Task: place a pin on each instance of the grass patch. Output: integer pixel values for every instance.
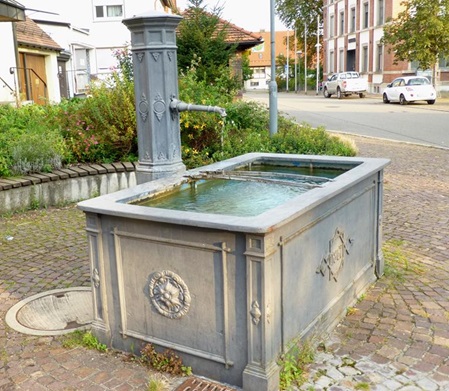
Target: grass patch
(397, 263)
(293, 364)
(83, 338)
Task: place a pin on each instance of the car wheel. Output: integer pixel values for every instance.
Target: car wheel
(326, 93)
(385, 98)
(361, 95)
(431, 102)
(339, 95)
(402, 100)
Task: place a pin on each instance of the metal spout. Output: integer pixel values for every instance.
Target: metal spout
(177, 106)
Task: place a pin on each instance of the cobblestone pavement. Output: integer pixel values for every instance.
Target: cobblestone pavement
(395, 338)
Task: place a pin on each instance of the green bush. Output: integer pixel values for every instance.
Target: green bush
(102, 127)
(27, 144)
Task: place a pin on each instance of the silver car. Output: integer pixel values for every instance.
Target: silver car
(410, 89)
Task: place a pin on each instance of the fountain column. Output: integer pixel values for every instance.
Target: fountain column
(153, 46)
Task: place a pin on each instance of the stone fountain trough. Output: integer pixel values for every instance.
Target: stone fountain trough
(229, 291)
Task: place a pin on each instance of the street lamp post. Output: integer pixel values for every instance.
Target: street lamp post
(318, 45)
(297, 55)
(305, 58)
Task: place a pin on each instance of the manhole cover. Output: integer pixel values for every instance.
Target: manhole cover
(196, 384)
(55, 312)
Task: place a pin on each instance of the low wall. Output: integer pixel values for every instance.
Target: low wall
(64, 186)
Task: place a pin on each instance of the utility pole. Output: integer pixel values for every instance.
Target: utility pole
(288, 63)
(296, 64)
(318, 55)
(273, 86)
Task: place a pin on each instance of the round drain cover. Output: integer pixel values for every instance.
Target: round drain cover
(55, 312)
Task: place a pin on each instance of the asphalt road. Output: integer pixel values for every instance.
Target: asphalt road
(415, 123)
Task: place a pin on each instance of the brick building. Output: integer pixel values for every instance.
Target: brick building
(353, 30)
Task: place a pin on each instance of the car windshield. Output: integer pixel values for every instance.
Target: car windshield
(418, 81)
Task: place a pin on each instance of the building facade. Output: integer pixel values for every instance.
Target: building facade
(260, 58)
(353, 30)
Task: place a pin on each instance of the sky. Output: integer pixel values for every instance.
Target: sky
(252, 15)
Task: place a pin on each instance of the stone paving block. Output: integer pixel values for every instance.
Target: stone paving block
(79, 170)
(109, 167)
(129, 166)
(61, 174)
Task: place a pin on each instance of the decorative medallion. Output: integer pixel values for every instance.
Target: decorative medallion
(96, 278)
(334, 260)
(169, 294)
(143, 107)
(140, 56)
(155, 56)
(159, 106)
(255, 312)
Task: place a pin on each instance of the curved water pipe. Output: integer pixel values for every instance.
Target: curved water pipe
(178, 106)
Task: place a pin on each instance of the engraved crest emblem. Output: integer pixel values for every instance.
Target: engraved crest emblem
(335, 259)
(169, 294)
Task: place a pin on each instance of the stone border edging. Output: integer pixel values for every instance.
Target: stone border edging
(65, 185)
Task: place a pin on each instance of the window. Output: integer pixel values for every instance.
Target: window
(259, 73)
(365, 59)
(331, 62)
(352, 28)
(380, 12)
(342, 23)
(443, 63)
(108, 11)
(341, 62)
(365, 15)
(380, 58)
(331, 26)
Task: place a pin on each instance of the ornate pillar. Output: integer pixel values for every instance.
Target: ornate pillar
(153, 40)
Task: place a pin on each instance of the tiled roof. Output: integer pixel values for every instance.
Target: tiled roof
(30, 34)
(239, 35)
(236, 35)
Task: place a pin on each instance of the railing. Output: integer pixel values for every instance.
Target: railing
(28, 84)
(7, 85)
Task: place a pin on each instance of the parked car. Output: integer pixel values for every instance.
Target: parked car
(410, 89)
(344, 84)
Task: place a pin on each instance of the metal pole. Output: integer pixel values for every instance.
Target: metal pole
(273, 86)
(296, 64)
(318, 56)
(288, 55)
(305, 58)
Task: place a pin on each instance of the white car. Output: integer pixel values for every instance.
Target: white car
(410, 89)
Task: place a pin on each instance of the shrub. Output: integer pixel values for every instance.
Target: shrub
(27, 144)
(101, 128)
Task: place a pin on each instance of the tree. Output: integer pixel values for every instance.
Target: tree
(201, 39)
(420, 32)
(294, 13)
(302, 15)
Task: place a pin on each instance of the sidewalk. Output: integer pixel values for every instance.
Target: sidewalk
(396, 338)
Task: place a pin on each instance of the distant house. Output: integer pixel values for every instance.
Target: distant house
(260, 58)
(10, 13)
(77, 61)
(37, 68)
(89, 48)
